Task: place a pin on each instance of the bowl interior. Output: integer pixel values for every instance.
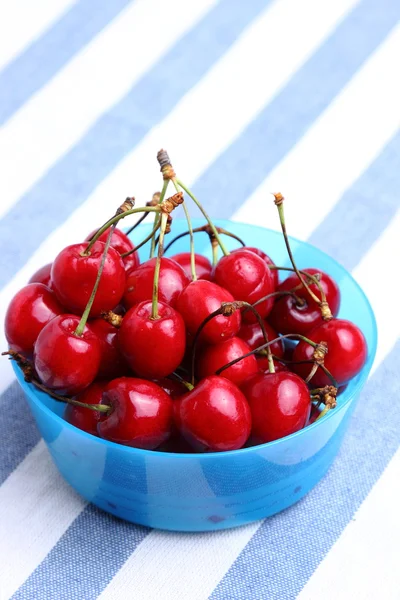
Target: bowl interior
(354, 304)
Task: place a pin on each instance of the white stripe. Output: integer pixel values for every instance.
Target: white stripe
(56, 117)
(226, 114)
(378, 261)
(38, 508)
(23, 21)
(344, 140)
(364, 562)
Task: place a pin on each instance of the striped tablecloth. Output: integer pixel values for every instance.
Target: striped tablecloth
(248, 97)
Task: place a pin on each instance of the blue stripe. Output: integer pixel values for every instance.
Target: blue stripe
(364, 211)
(118, 131)
(285, 551)
(265, 142)
(84, 560)
(32, 69)
(18, 432)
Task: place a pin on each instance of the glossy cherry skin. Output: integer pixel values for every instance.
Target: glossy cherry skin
(211, 358)
(266, 259)
(288, 317)
(139, 283)
(42, 275)
(214, 416)
(112, 363)
(28, 312)
(252, 334)
(198, 300)
(121, 242)
(141, 413)
(82, 417)
(73, 277)
(347, 352)
(65, 362)
(279, 403)
(203, 266)
(247, 277)
(152, 347)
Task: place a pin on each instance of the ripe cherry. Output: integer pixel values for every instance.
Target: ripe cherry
(263, 365)
(197, 301)
(64, 361)
(74, 273)
(140, 416)
(152, 347)
(252, 334)
(139, 283)
(266, 259)
(171, 386)
(212, 358)
(121, 243)
(347, 352)
(247, 277)
(28, 312)
(214, 416)
(82, 417)
(279, 403)
(112, 363)
(203, 266)
(288, 316)
(42, 275)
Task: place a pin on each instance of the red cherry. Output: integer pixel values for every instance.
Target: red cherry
(263, 365)
(211, 358)
(252, 334)
(42, 275)
(214, 416)
(141, 413)
(347, 352)
(73, 276)
(28, 312)
(152, 347)
(203, 265)
(64, 361)
(139, 283)
(82, 417)
(289, 317)
(112, 363)
(266, 259)
(197, 301)
(121, 242)
(279, 403)
(247, 277)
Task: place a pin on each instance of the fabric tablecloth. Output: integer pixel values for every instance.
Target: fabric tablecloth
(248, 97)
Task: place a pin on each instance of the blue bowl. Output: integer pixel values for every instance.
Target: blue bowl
(206, 492)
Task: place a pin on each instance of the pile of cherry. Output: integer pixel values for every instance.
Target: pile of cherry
(178, 354)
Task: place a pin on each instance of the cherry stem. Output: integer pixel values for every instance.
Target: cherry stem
(138, 222)
(312, 278)
(267, 345)
(176, 376)
(82, 323)
(300, 301)
(308, 362)
(323, 413)
(154, 302)
(325, 310)
(203, 229)
(157, 219)
(115, 220)
(211, 224)
(29, 373)
(189, 222)
(142, 243)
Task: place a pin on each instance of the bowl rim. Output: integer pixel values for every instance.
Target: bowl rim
(358, 385)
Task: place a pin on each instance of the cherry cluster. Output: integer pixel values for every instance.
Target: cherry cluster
(181, 354)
